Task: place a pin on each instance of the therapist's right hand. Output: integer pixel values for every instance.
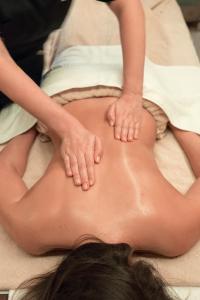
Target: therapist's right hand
(80, 150)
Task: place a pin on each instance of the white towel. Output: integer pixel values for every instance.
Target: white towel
(176, 89)
(14, 120)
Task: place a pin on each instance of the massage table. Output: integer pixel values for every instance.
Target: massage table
(168, 43)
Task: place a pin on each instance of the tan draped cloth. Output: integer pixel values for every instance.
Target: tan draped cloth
(168, 42)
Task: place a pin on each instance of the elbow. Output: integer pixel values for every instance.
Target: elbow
(176, 251)
(34, 246)
(31, 239)
(180, 246)
(33, 249)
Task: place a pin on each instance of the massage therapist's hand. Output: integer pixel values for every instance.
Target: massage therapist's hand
(125, 115)
(80, 150)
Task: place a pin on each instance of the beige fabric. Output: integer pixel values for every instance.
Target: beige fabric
(168, 39)
(77, 94)
(168, 42)
(159, 116)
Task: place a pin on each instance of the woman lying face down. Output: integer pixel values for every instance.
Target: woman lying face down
(99, 271)
(129, 202)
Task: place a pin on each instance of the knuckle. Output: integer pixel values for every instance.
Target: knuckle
(75, 174)
(84, 178)
(67, 166)
(66, 161)
(90, 163)
(76, 177)
(91, 170)
(83, 174)
(137, 122)
(72, 156)
(73, 165)
(117, 127)
(82, 168)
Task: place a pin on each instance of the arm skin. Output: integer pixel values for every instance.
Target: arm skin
(15, 84)
(126, 113)
(80, 149)
(132, 27)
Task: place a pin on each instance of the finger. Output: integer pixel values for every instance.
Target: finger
(117, 131)
(83, 172)
(137, 130)
(66, 161)
(75, 170)
(111, 115)
(67, 165)
(90, 168)
(98, 150)
(130, 133)
(124, 132)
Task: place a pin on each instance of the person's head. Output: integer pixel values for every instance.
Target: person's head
(99, 271)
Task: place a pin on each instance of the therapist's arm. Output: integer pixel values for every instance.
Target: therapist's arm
(80, 149)
(125, 114)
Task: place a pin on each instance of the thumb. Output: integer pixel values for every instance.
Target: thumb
(111, 115)
(98, 150)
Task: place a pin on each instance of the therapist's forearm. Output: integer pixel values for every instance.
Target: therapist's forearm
(16, 85)
(132, 28)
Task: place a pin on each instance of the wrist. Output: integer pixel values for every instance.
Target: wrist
(130, 96)
(63, 124)
(127, 90)
(132, 87)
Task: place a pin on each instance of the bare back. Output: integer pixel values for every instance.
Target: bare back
(127, 203)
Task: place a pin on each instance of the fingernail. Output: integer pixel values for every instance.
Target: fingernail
(78, 182)
(85, 186)
(111, 123)
(91, 182)
(98, 159)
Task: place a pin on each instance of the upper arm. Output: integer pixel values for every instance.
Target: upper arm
(3, 50)
(18, 223)
(12, 186)
(168, 234)
(177, 233)
(129, 6)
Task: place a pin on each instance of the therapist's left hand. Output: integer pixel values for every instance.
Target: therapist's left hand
(125, 115)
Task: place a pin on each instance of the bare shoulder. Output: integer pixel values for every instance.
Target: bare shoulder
(174, 231)
(169, 226)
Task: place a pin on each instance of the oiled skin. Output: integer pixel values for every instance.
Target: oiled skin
(130, 202)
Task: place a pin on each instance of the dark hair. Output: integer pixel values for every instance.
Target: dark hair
(99, 271)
